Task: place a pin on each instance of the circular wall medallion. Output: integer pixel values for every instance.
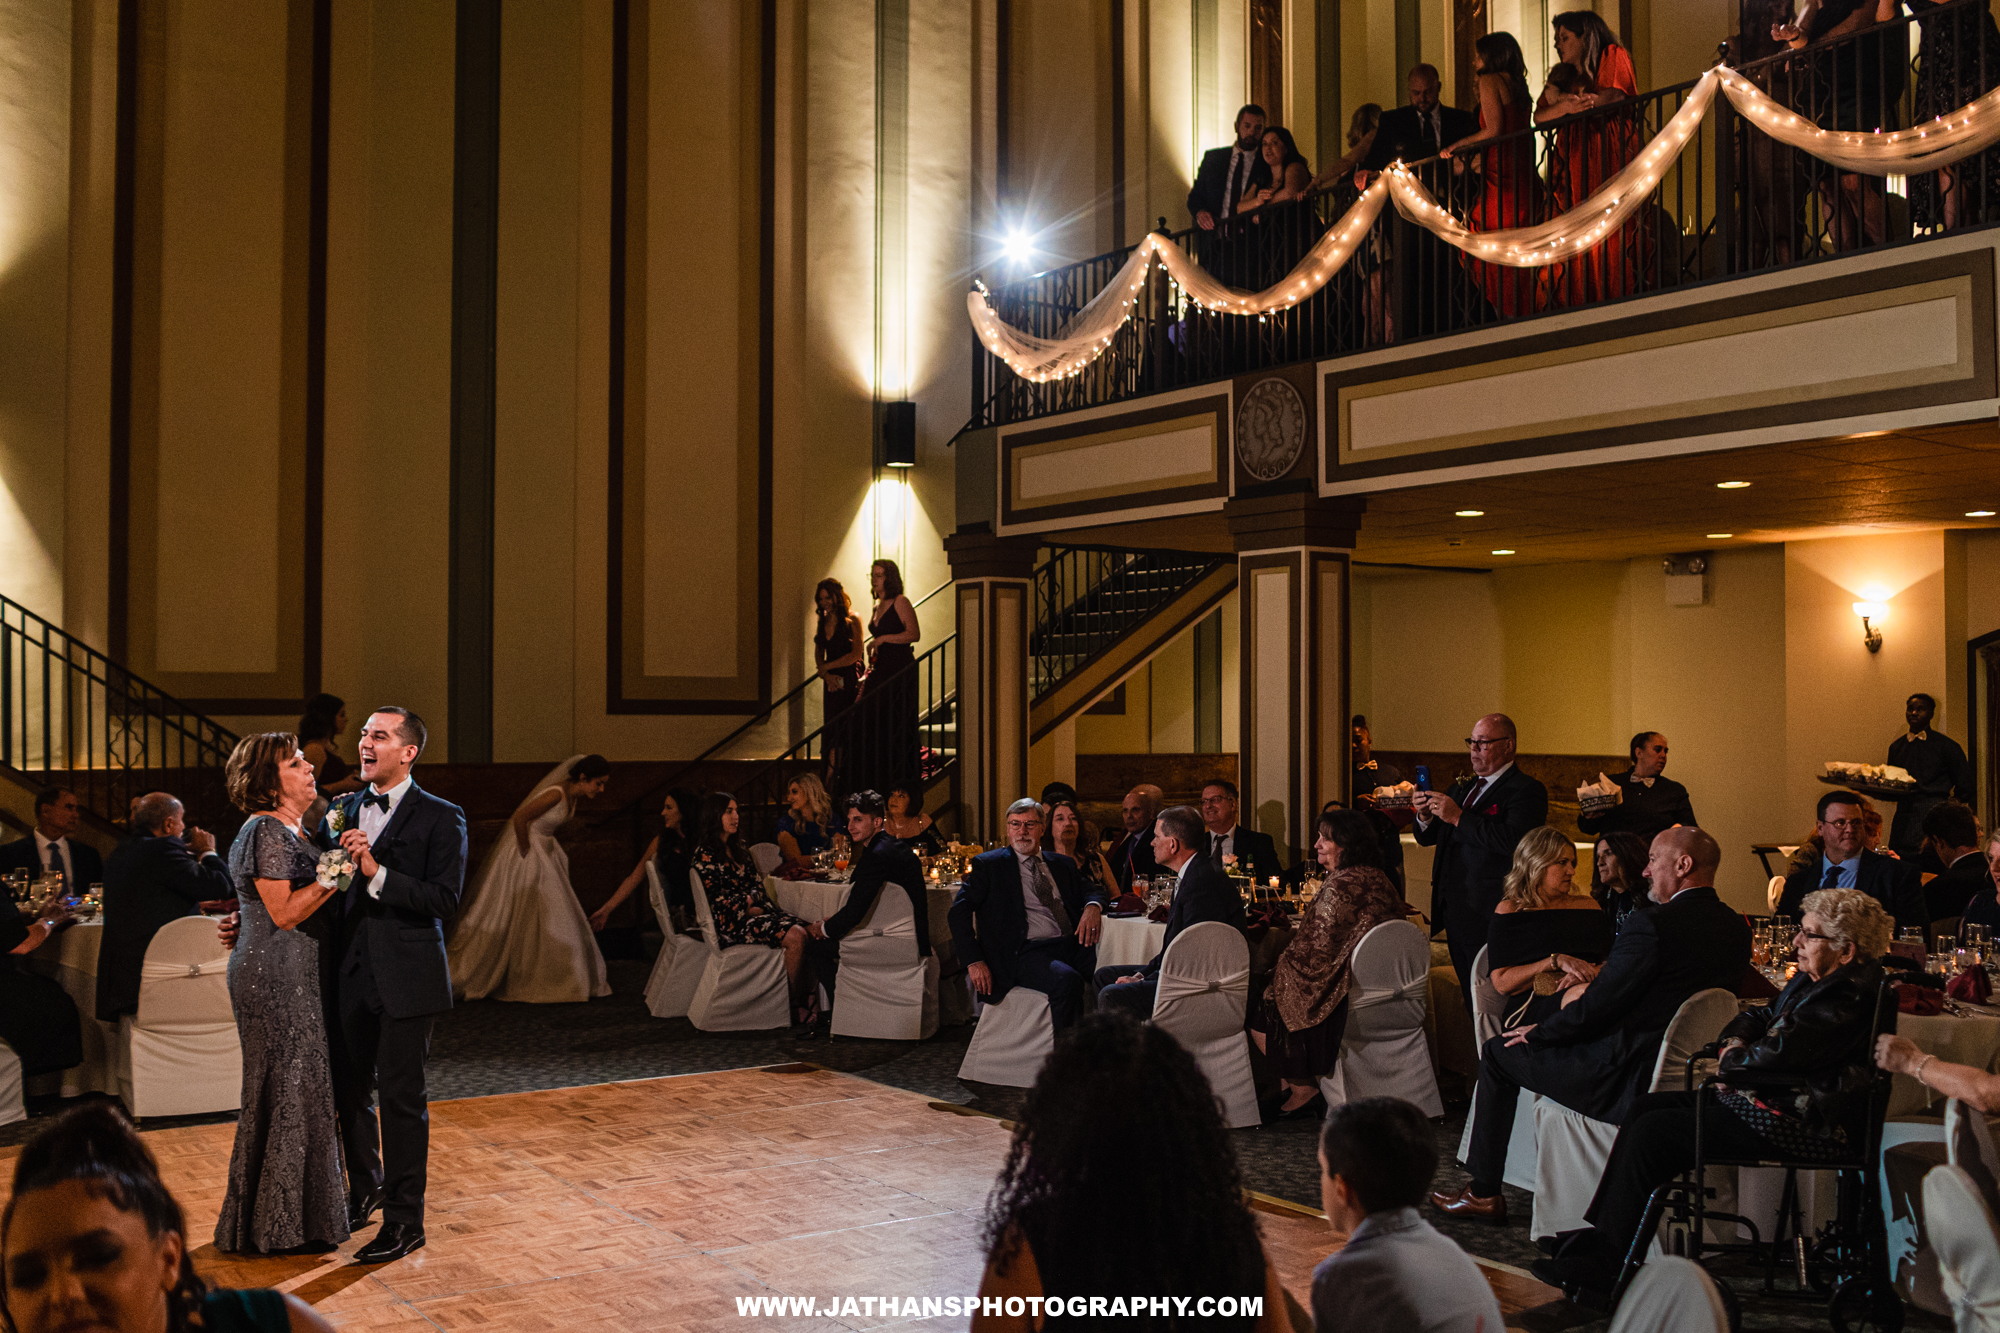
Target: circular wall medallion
(1270, 429)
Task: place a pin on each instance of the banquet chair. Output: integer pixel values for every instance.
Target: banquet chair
(12, 1107)
(1571, 1149)
(886, 988)
(1489, 1008)
(180, 1053)
(677, 969)
(1848, 1256)
(1383, 1052)
(1672, 1295)
(766, 857)
(1011, 1040)
(1203, 988)
(742, 987)
(1966, 1240)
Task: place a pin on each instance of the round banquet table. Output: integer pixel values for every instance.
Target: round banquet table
(812, 901)
(1129, 941)
(1969, 1039)
(70, 960)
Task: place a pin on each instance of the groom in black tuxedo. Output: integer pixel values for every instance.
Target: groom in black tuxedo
(386, 975)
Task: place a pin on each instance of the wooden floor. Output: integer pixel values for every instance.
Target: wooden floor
(651, 1205)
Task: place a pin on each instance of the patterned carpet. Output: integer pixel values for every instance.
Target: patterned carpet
(487, 1047)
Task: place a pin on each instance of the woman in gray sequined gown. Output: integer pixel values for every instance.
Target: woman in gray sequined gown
(285, 1186)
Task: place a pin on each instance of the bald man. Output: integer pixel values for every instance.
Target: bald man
(1133, 854)
(1595, 1055)
(1474, 827)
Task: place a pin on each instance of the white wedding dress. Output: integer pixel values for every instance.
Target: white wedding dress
(524, 936)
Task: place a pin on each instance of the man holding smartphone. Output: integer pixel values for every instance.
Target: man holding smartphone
(1475, 827)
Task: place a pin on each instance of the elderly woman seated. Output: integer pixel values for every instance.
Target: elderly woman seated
(1304, 1015)
(1797, 1078)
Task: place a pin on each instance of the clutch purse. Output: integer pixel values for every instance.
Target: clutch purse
(1550, 981)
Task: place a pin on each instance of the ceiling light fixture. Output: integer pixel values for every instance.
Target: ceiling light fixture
(1731, 485)
(1481, 513)
(1979, 513)
(1720, 536)
(1505, 550)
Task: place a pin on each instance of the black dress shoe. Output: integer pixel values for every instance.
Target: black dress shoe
(361, 1211)
(1586, 1279)
(393, 1241)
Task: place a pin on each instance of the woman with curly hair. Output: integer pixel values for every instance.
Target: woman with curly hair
(1080, 1155)
(805, 828)
(1304, 1015)
(91, 1236)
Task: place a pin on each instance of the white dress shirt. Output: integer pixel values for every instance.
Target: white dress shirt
(373, 820)
(61, 845)
(1042, 923)
(1227, 844)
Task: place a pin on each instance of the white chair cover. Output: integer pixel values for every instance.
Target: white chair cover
(12, 1106)
(180, 1053)
(1969, 1145)
(886, 988)
(1671, 1295)
(677, 970)
(1011, 1041)
(1204, 986)
(1384, 1053)
(1571, 1149)
(1967, 1244)
(1489, 1008)
(1774, 891)
(766, 857)
(742, 988)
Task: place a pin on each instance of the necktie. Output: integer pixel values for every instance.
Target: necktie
(1472, 795)
(1237, 170)
(1430, 132)
(55, 862)
(371, 797)
(1045, 890)
(1832, 880)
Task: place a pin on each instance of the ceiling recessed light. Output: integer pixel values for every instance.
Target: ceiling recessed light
(1468, 513)
(1505, 550)
(1731, 485)
(1720, 536)
(1979, 513)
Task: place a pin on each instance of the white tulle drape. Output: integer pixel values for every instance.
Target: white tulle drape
(1935, 144)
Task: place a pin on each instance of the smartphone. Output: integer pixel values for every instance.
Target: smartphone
(1423, 777)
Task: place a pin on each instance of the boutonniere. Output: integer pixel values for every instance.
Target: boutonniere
(336, 818)
(335, 870)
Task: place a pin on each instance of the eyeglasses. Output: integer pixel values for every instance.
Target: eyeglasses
(1803, 934)
(1845, 823)
(1477, 744)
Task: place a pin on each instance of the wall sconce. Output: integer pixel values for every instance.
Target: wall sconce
(898, 434)
(1872, 612)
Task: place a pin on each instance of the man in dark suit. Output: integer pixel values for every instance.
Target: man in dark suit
(1475, 828)
(1227, 174)
(1024, 918)
(1597, 1053)
(1844, 864)
(883, 860)
(164, 871)
(1203, 893)
(1951, 833)
(1936, 762)
(1426, 272)
(1255, 854)
(1648, 801)
(53, 846)
(389, 979)
(1132, 855)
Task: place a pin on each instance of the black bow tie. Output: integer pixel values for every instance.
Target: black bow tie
(369, 798)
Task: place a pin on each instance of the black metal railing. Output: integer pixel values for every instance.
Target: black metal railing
(1086, 600)
(70, 716)
(1733, 202)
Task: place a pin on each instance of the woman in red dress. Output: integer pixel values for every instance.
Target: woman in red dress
(1511, 193)
(1591, 152)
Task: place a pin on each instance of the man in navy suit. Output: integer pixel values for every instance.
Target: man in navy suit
(1255, 853)
(1203, 893)
(1475, 828)
(54, 846)
(387, 974)
(1845, 864)
(1025, 918)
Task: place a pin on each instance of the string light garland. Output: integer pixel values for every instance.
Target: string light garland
(1936, 143)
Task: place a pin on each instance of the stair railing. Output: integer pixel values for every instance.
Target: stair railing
(1087, 599)
(72, 717)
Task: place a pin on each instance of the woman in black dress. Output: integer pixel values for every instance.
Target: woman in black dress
(837, 655)
(886, 730)
(742, 911)
(1958, 61)
(285, 1187)
(1544, 937)
(320, 730)
(1618, 875)
(907, 823)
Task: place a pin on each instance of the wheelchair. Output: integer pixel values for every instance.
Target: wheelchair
(1846, 1263)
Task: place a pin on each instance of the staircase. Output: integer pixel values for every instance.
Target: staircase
(71, 717)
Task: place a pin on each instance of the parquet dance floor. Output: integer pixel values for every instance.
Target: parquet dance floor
(652, 1205)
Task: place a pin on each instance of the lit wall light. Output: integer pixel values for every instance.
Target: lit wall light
(1018, 247)
(1874, 612)
(1720, 536)
(1505, 550)
(1732, 485)
(1979, 513)
(1468, 513)
(899, 434)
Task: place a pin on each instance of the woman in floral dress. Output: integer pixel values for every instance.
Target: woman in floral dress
(743, 912)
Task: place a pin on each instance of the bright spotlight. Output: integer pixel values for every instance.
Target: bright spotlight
(1018, 248)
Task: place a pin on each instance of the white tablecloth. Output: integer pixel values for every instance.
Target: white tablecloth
(1130, 940)
(810, 901)
(1973, 1039)
(70, 959)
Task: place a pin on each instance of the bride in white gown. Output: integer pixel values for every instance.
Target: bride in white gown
(524, 935)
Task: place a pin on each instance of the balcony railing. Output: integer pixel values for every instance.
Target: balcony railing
(1734, 202)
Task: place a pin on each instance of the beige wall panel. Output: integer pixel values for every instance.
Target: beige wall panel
(1437, 658)
(34, 275)
(1982, 590)
(222, 334)
(86, 608)
(1328, 696)
(1275, 612)
(1060, 141)
(1171, 153)
(388, 367)
(536, 399)
(1129, 732)
(1232, 673)
(1173, 697)
(1010, 721)
(1560, 672)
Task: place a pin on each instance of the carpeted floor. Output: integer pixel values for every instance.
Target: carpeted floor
(488, 1047)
